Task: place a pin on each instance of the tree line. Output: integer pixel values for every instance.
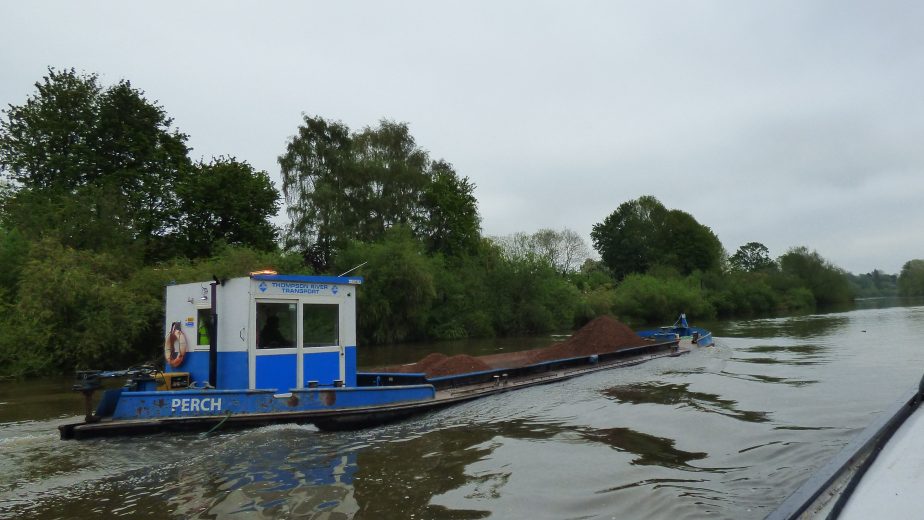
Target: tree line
(101, 206)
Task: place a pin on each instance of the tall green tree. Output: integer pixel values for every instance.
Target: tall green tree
(751, 257)
(642, 233)
(342, 186)
(911, 279)
(227, 202)
(93, 165)
(626, 239)
(451, 224)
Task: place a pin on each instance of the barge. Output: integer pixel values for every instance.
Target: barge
(274, 348)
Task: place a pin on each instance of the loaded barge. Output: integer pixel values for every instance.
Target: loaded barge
(274, 348)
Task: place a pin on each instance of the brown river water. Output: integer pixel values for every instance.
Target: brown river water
(724, 432)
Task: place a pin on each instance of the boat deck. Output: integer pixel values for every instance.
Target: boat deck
(891, 487)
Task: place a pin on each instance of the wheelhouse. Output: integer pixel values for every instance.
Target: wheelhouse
(267, 331)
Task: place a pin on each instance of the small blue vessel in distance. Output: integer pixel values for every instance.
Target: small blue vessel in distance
(682, 330)
(272, 348)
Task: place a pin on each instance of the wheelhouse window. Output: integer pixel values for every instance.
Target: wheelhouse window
(203, 327)
(320, 325)
(276, 325)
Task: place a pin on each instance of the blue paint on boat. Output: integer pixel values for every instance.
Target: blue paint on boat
(680, 330)
(204, 403)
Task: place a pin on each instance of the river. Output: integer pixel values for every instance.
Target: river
(724, 432)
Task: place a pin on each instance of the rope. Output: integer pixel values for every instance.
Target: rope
(217, 426)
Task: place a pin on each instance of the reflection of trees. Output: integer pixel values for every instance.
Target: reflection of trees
(802, 327)
(651, 450)
(677, 394)
(803, 354)
(770, 379)
(400, 478)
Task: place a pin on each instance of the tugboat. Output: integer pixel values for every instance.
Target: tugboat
(682, 330)
(272, 348)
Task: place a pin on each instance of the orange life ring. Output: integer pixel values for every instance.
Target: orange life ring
(175, 335)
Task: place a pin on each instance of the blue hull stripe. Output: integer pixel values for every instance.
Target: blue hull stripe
(203, 403)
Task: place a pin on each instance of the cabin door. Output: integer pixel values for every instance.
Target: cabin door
(274, 354)
(296, 341)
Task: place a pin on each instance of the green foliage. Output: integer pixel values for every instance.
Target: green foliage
(642, 233)
(14, 250)
(95, 310)
(92, 166)
(828, 284)
(648, 299)
(751, 257)
(911, 279)
(343, 186)
(530, 297)
(451, 225)
(395, 301)
(77, 309)
(746, 294)
(873, 284)
(97, 196)
(226, 201)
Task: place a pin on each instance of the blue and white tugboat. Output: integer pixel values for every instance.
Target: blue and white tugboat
(274, 348)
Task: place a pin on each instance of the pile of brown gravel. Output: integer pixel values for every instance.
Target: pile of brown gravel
(603, 334)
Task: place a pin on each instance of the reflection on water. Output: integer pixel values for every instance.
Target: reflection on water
(679, 394)
(800, 327)
(651, 450)
(795, 355)
(771, 379)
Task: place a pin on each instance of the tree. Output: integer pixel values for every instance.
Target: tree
(315, 177)
(828, 283)
(227, 201)
(911, 279)
(343, 186)
(642, 233)
(400, 290)
(564, 251)
(626, 238)
(93, 165)
(751, 257)
(451, 225)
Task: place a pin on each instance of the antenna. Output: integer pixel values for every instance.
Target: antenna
(353, 269)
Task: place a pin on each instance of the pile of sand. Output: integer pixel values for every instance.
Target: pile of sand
(603, 334)
(438, 364)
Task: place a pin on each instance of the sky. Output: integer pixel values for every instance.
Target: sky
(789, 123)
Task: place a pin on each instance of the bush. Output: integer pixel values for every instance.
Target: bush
(654, 300)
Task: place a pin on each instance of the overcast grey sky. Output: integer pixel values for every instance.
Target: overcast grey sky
(787, 123)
